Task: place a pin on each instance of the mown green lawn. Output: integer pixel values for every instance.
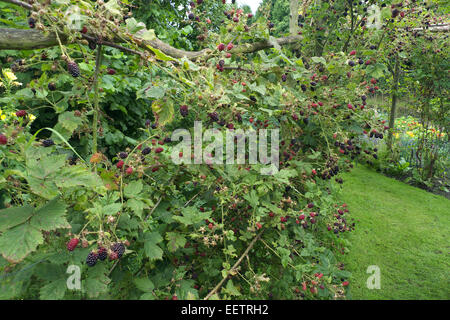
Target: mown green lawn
(404, 231)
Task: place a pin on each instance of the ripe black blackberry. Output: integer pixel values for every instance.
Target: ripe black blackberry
(73, 69)
(91, 259)
(146, 150)
(118, 248)
(351, 63)
(184, 110)
(51, 86)
(102, 253)
(214, 116)
(31, 23)
(92, 45)
(123, 155)
(48, 143)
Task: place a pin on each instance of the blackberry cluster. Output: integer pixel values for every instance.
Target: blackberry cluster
(118, 248)
(331, 169)
(91, 259)
(213, 116)
(73, 69)
(184, 110)
(21, 113)
(48, 143)
(375, 134)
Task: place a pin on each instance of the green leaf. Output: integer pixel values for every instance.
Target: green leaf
(133, 189)
(176, 241)
(69, 121)
(111, 209)
(50, 216)
(13, 216)
(191, 215)
(18, 242)
(151, 249)
(231, 289)
(144, 284)
(163, 110)
(160, 55)
(54, 290)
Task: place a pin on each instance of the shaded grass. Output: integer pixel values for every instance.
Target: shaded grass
(404, 231)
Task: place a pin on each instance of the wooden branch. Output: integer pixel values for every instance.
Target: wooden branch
(250, 246)
(30, 39)
(20, 3)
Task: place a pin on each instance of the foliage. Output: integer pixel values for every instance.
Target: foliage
(184, 226)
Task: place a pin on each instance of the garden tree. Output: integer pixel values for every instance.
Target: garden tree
(139, 223)
(413, 33)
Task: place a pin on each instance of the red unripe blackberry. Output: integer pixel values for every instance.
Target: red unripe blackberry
(72, 244)
(119, 164)
(184, 110)
(113, 256)
(310, 205)
(250, 15)
(111, 71)
(221, 47)
(102, 254)
(73, 69)
(353, 52)
(3, 139)
(129, 170)
(118, 248)
(84, 30)
(230, 46)
(91, 259)
(159, 150)
(156, 168)
(21, 113)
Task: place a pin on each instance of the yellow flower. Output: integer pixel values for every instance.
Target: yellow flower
(396, 135)
(31, 117)
(410, 133)
(1, 84)
(9, 74)
(17, 83)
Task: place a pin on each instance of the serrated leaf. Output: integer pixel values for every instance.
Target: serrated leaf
(69, 121)
(144, 284)
(54, 290)
(133, 189)
(13, 216)
(50, 216)
(18, 242)
(175, 241)
(163, 110)
(151, 249)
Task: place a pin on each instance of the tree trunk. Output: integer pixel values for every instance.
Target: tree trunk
(293, 17)
(395, 77)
